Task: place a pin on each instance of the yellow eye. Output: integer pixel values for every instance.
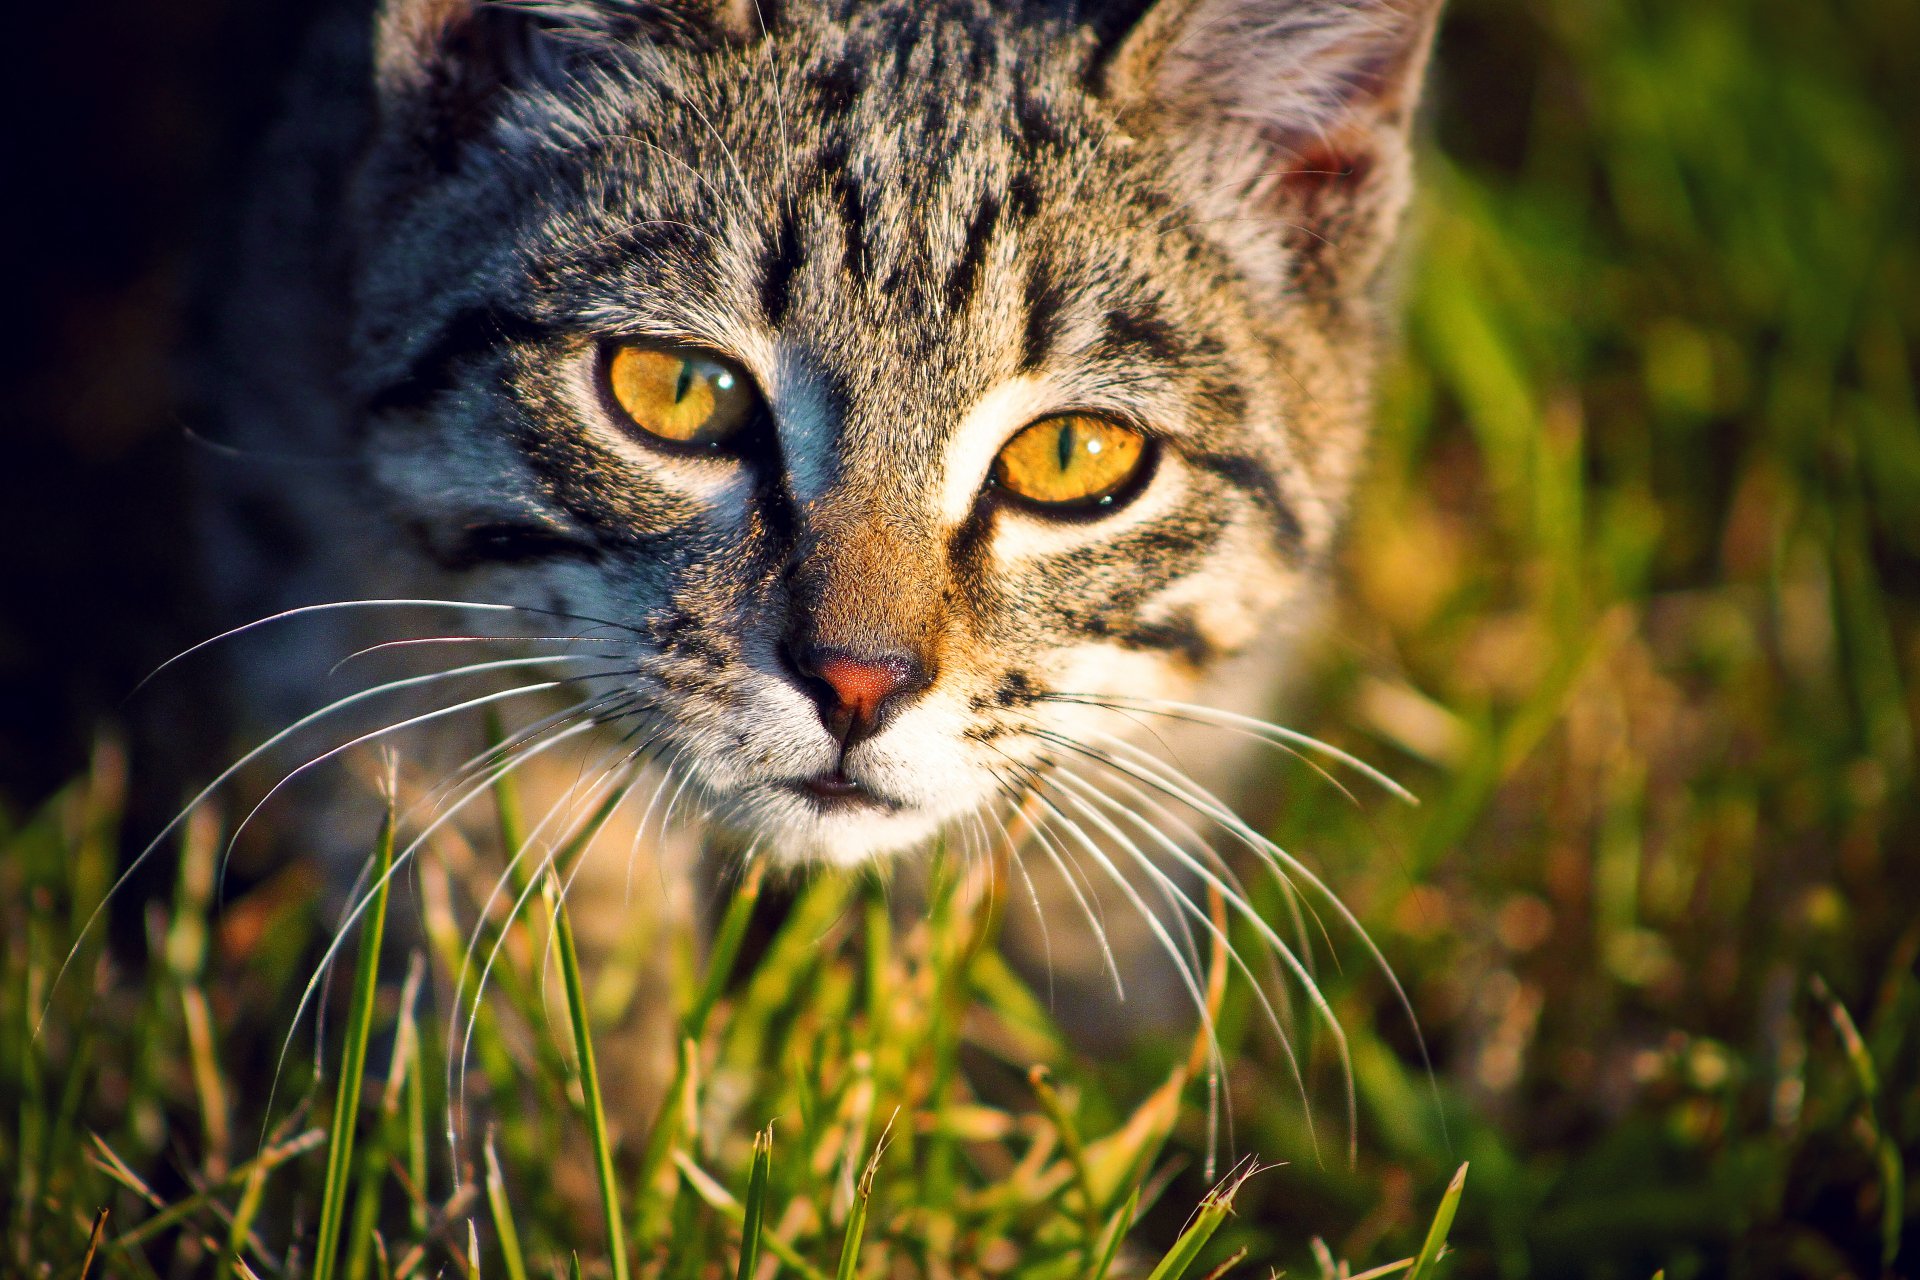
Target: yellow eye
(681, 395)
(1073, 460)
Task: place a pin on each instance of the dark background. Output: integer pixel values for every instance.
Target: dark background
(130, 128)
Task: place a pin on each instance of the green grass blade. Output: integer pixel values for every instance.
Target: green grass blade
(1116, 1234)
(1213, 1211)
(755, 1205)
(708, 1188)
(1187, 1248)
(1429, 1256)
(850, 1242)
(589, 1082)
(726, 948)
(503, 1226)
(353, 1059)
(857, 1212)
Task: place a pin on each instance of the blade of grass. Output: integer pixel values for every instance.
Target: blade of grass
(353, 1063)
(857, 1212)
(1429, 1255)
(93, 1242)
(503, 1226)
(1050, 1102)
(719, 1198)
(755, 1208)
(1116, 1233)
(677, 1100)
(1234, 1259)
(589, 1080)
(1206, 1220)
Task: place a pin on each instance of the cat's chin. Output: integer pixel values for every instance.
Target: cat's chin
(797, 826)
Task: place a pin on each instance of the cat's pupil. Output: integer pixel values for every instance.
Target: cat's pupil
(1066, 445)
(684, 381)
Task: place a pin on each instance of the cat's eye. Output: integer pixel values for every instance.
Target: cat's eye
(681, 395)
(1073, 462)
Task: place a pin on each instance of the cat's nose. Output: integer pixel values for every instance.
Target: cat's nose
(857, 693)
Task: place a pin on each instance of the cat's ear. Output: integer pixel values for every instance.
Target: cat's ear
(1287, 122)
(441, 61)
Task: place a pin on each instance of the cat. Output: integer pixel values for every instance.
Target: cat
(881, 412)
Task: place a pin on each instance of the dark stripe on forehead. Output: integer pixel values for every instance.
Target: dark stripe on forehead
(966, 272)
(836, 85)
(1038, 129)
(777, 268)
(1045, 299)
(849, 201)
(1138, 332)
(430, 374)
(650, 242)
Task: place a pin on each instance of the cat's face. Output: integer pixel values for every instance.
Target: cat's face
(729, 335)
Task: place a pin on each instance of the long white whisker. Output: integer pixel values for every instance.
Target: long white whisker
(518, 691)
(1094, 921)
(1235, 899)
(1215, 1062)
(1203, 801)
(1193, 968)
(569, 801)
(1150, 771)
(419, 642)
(336, 605)
(1247, 725)
(366, 899)
(1033, 890)
(1289, 892)
(140, 859)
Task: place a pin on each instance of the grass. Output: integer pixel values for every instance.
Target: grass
(1632, 601)
(870, 1154)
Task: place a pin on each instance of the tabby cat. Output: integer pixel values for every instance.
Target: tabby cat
(876, 411)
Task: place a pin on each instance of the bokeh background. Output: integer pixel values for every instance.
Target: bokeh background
(1632, 601)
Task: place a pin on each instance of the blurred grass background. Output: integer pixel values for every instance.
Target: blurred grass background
(1632, 602)
(1635, 597)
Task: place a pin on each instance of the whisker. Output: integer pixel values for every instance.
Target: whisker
(411, 722)
(1290, 893)
(570, 800)
(1238, 902)
(1152, 773)
(139, 860)
(1215, 1060)
(1095, 922)
(398, 603)
(1033, 890)
(1193, 968)
(1263, 730)
(423, 641)
(400, 859)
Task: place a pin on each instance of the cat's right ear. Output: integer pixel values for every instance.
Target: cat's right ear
(438, 64)
(1286, 122)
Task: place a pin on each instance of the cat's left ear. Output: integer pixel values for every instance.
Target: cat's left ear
(1287, 123)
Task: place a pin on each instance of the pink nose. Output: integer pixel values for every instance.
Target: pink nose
(862, 688)
(856, 692)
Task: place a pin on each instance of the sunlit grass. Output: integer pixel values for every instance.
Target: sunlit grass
(853, 1143)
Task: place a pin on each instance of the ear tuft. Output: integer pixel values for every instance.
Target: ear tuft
(1286, 121)
(439, 64)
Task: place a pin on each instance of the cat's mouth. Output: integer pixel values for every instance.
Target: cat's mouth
(833, 791)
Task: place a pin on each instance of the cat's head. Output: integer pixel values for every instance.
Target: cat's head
(903, 374)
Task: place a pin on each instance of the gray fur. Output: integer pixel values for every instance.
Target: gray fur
(889, 213)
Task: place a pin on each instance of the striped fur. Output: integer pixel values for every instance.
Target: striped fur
(920, 225)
